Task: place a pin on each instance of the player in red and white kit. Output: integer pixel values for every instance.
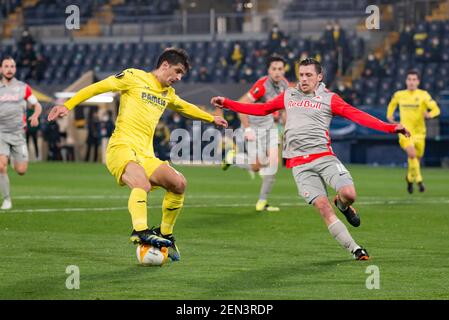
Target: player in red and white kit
(309, 110)
(14, 95)
(261, 132)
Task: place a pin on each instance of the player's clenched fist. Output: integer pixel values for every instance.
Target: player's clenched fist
(217, 102)
(57, 112)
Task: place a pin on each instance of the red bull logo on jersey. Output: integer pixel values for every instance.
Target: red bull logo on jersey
(9, 97)
(306, 103)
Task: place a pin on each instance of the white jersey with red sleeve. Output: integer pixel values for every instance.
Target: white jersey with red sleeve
(265, 89)
(308, 121)
(306, 134)
(13, 102)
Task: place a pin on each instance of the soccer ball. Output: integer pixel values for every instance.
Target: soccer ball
(151, 256)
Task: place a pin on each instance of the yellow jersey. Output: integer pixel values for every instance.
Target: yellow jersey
(142, 102)
(413, 106)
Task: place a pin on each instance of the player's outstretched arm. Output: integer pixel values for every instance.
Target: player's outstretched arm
(256, 109)
(345, 110)
(121, 82)
(192, 111)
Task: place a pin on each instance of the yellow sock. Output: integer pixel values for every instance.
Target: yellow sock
(412, 167)
(171, 208)
(137, 206)
(418, 171)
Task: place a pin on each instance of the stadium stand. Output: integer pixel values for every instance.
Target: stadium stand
(328, 8)
(424, 48)
(216, 61)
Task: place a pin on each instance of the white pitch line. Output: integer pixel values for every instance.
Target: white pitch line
(219, 205)
(216, 196)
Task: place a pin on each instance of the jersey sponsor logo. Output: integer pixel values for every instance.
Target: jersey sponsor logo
(158, 102)
(9, 97)
(306, 103)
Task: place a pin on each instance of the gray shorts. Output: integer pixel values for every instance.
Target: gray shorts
(13, 145)
(311, 178)
(266, 139)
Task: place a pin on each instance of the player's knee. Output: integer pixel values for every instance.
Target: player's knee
(411, 153)
(21, 170)
(348, 195)
(180, 185)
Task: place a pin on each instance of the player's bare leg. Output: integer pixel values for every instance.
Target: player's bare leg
(174, 182)
(4, 183)
(21, 167)
(268, 174)
(337, 229)
(413, 167)
(136, 179)
(343, 201)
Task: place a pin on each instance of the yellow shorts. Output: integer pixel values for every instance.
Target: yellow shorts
(418, 143)
(118, 156)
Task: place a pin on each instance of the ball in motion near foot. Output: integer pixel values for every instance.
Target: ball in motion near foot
(151, 256)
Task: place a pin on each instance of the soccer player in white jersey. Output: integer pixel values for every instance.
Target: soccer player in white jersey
(14, 96)
(263, 152)
(309, 109)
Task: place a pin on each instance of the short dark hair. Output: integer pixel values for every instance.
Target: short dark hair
(6, 58)
(312, 61)
(174, 56)
(275, 58)
(413, 72)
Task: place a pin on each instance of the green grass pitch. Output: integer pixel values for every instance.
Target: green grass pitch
(75, 214)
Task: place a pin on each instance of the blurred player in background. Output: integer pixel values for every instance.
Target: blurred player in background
(309, 110)
(14, 96)
(130, 157)
(415, 106)
(264, 157)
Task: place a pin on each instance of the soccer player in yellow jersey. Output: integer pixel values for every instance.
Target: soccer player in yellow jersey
(130, 157)
(415, 105)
